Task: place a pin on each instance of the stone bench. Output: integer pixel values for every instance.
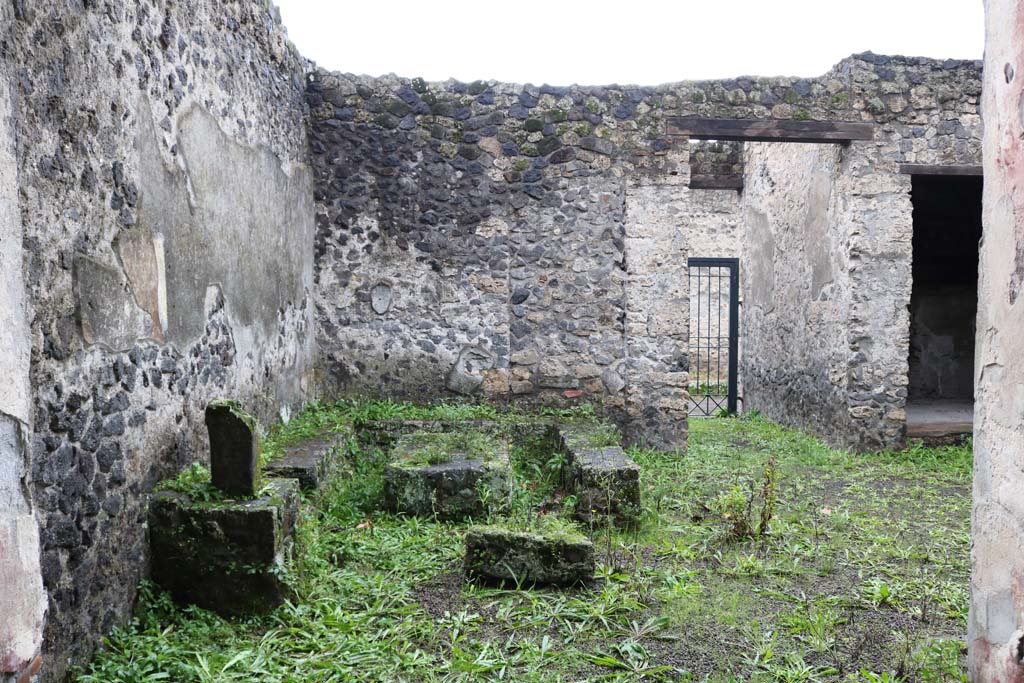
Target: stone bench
(605, 481)
(526, 558)
(311, 461)
(445, 474)
(224, 556)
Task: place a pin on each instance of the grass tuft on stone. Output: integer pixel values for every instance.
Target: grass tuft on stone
(434, 448)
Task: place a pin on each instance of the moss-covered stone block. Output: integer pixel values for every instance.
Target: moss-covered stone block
(605, 481)
(225, 556)
(450, 475)
(527, 558)
(384, 433)
(311, 462)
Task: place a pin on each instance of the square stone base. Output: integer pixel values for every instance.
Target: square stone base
(464, 484)
(605, 481)
(223, 556)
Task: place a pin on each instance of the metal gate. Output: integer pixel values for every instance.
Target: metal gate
(714, 335)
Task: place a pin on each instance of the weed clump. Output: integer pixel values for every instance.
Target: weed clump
(748, 508)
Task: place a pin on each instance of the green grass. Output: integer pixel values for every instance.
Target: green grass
(862, 575)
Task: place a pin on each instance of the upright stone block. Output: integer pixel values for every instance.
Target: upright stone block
(234, 450)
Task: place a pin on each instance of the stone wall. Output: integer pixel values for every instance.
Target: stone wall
(167, 227)
(507, 241)
(480, 238)
(477, 237)
(828, 253)
(996, 622)
(22, 598)
(796, 285)
(716, 158)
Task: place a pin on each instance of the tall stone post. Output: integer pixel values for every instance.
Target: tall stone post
(996, 624)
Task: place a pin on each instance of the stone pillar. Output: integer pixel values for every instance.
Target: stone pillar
(657, 309)
(996, 624)
(234, 450)
(22, 599)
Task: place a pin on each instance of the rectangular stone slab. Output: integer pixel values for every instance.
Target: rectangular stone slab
(310, 461)
(223, 556)
(234, 451)
(501, 555)
(449, 490)
(385, 433)
(605, 481)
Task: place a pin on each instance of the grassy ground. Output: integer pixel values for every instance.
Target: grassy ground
(861, 575)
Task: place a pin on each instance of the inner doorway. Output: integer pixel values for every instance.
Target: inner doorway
(714, 336)
(943, 304)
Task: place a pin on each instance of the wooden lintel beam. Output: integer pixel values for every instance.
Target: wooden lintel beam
(770, 130)
(713, 182)
(940, 169)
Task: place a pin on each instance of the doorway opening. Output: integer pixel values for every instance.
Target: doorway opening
(943, 305)
(714, 336)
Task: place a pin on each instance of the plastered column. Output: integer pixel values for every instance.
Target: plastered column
(22, 599)
(996, 624)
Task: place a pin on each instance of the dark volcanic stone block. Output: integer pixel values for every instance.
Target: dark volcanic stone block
(497, 554)
(311, 461)
(234, 450)
(223, 556)
(604, 479)
(446, 474)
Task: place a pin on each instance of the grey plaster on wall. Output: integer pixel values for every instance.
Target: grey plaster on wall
(107, 310)
(818, 244)
(759, 267)
(235, 218)
(470, 370)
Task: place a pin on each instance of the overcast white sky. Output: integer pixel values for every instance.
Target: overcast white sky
(636, 41)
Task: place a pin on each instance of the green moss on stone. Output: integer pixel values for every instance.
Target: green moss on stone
(550, 527)
(399, 108)
(556, 115)
(238, 411)
(423, 449)
(533, 125)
